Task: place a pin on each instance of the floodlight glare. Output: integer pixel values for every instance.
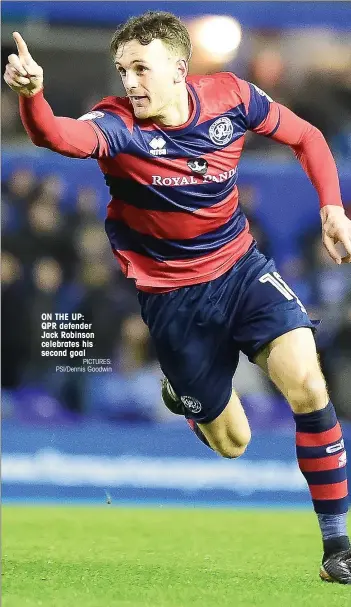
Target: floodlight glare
(219, 35)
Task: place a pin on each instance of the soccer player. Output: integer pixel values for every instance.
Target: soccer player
(169, 152)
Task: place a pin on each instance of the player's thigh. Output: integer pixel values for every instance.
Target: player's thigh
(267, 308)
(194, 350)
(230, 431)
(291, 362)
(273, 329)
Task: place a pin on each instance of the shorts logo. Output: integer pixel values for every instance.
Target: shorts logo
(191, 403)
(198, 165)
(221, 131)
(92, 115)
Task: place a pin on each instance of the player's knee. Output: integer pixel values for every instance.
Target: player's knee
(309, 392)
(230, 451)
(231, 448)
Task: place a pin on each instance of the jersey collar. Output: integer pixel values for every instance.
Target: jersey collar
(191, 122)
(182, 128)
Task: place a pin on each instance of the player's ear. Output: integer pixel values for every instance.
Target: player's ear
(181, 71)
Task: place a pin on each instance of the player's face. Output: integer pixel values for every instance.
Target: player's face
(149, 74)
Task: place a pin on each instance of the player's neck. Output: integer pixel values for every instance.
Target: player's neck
(178, 112)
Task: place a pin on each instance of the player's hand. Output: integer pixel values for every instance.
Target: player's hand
(23, 74)
(336, 227)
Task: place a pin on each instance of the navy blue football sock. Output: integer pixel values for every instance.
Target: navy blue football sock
(322, 460)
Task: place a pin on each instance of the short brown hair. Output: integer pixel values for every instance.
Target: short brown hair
(154, 25)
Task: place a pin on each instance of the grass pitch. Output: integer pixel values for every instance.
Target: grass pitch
(161, 557)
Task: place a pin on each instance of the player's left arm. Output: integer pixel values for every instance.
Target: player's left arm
(312, 151)
(266, 117)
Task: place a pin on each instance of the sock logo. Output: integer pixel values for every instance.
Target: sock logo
(336, 447)
(342, 460)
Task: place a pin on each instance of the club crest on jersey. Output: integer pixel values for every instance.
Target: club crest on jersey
(198, 165)
(191, 403)
(221, 131)
(157, 145)
(92, 115)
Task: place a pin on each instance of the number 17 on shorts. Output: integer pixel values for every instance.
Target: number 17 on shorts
(278, 283)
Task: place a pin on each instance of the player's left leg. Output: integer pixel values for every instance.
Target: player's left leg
(228, 434)
(291, 362)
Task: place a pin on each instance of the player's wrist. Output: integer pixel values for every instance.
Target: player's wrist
(29, 94)
(331, 210)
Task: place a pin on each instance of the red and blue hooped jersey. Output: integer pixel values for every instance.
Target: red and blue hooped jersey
(174, 218)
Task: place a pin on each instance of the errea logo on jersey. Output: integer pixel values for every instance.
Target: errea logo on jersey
(157, 145)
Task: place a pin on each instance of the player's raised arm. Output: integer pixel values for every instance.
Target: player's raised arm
(69, 137)
(271, 119)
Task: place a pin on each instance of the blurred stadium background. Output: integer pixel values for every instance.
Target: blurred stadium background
(73, 436)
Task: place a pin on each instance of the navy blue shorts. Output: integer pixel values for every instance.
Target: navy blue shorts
(199, 331)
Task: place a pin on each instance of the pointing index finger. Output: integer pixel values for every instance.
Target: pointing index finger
(22, 48)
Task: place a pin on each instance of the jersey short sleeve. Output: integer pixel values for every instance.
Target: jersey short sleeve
(112, 127)
(259, 106)
(262, 113)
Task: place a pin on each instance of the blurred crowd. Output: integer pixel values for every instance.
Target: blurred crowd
(56, 258)
(309, 71)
